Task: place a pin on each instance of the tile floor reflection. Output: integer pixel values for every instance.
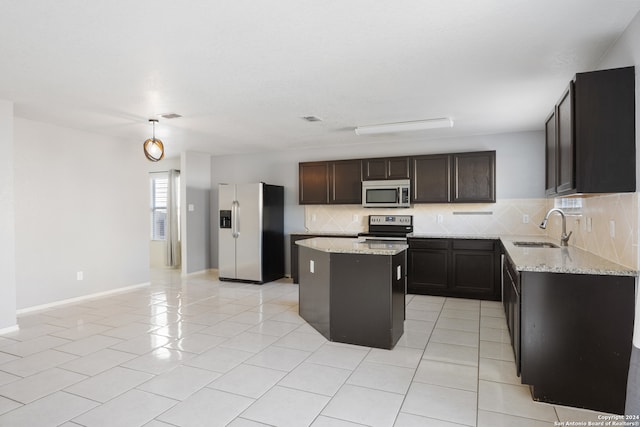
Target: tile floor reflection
(193, 351)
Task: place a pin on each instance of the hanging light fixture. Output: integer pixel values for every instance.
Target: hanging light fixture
(153, 148)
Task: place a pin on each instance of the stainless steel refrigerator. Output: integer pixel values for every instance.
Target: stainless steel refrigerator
(251, 232)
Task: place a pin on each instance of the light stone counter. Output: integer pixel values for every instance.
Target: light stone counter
(352, 246)
(559, 260)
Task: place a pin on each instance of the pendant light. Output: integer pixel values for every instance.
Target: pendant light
(153, 148)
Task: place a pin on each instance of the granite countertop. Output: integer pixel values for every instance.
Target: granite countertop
(453, 236)
(345, 245)
(327, 233)
(559, 260)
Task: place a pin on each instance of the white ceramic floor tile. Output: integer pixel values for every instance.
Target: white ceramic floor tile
(493, 322)
(513, 400)
(494, 350)
(122, 319)
(273, 327)
(142, 344)
(249, 341)
(284, 407)
(447, 375)
(134, 408)
(451, 353)
(398, 356)
(338, 356)
(81, 331)
(6, 357)
(394, 379)
(226, 329)
(35, 345)
(414, 339)
(219, 359)
(458, 324)
(209, 319)
(462, 304)
(39, 385)
(130, 330)
(289, 316)
(422, 326)
(495, 419)
(324, 421)
(430, 316)
(301, 341)
(495, 335)
(442, 403)
(88, 345)
(243, 422)
(28, 333)
(179, 383)
(37, 362)
(410, 420)
(318, 379)
(283, 359)
(109, 384)
(248, 380)
(98, 362)
(52, 410)
(364, 406)
(450, 336)
(250, 317)
(207, 407)
(460, 314)
(492, 312)
(498, 371)
(179, 329)
(196, 343)
(6, 378)
(158, 361)
(7, 405)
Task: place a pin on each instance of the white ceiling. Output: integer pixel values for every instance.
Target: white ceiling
(243, 73)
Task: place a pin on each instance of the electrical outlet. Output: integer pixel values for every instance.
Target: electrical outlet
(79, 275)
(525, 219)
(589, 224)
(439, 219)
(313, 217)
(356, 218)
(312, 266)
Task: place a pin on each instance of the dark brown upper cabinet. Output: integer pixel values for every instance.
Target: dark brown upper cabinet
(474, 177)
(330, 182)
(385, 168)
(431, 179)
(594, 130)
(551, 155)
(313, 185)
(345, 182)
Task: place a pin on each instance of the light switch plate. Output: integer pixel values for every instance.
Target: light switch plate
(191, 207)
(399, 272)
(312, 266)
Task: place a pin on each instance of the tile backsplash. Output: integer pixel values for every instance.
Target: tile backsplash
(506, 217)
(607, 225)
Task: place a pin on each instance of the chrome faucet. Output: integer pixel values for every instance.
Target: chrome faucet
(564, 238)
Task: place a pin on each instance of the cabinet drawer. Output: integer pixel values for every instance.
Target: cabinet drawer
(475, 245)
(429, 243)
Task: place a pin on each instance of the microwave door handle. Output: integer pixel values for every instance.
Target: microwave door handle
(399, 193)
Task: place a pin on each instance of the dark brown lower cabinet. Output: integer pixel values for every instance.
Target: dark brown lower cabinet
(576, 337)
(463, 268)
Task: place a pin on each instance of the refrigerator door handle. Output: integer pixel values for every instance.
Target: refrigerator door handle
(235, 223)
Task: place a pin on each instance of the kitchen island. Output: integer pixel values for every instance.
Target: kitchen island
(352, 291)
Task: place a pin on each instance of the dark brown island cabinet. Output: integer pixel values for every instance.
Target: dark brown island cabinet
(293, 238)
(590, 135)
(353, 298)
(463, 268)
(438, 178)
(571, 335)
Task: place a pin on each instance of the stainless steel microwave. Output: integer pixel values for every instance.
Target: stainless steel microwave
(386, 194)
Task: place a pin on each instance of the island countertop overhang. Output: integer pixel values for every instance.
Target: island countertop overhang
(352, 246)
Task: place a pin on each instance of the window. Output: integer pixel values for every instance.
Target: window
(159, 183)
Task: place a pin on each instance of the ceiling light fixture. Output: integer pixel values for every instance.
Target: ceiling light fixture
(444, 122)
(153, 148)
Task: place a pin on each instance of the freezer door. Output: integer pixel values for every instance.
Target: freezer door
(226, 241)
(249, 230)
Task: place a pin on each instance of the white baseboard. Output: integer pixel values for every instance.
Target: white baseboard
(10, 329)
(78, 299)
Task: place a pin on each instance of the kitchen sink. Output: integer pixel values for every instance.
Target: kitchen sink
(546, 245)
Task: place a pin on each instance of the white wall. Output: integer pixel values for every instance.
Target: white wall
(519, 174)
(195, 191)
(7, 231)
(82, 204)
